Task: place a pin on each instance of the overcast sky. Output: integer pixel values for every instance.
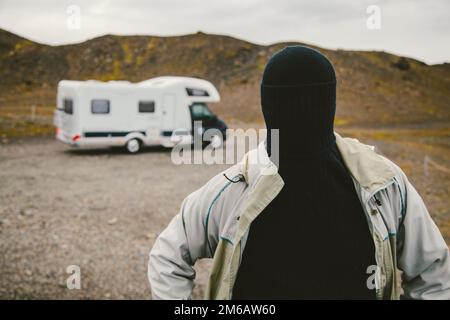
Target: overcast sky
(414, 28)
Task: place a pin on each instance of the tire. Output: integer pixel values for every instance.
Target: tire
(133, 146)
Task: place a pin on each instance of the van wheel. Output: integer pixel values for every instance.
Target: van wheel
(133, 146)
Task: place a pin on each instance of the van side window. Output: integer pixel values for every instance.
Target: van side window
(68, 105)
(100, 106)
(147, 106)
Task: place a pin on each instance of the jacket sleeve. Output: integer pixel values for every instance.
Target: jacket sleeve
(170, 270)
(423, 255)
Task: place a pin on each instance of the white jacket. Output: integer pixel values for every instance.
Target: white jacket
(215, 220)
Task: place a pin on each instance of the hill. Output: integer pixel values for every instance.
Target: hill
(374, 88)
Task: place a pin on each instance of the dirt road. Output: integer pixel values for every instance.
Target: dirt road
(101, 210)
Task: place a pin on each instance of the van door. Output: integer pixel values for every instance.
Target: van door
(168, 113)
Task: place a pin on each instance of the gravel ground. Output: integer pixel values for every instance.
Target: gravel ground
(102, 209)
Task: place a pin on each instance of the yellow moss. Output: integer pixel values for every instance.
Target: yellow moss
(380, 135)
(151, 44)
(231, 53)
(116, 69)
(22, 45)
(127, 52)
(340, 122)
(261, 63)
(115, 74)
(140, 60)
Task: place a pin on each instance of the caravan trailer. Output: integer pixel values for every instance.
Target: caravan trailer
(158, 111)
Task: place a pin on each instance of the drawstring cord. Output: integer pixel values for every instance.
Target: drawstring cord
(377, 201)
(240, 178)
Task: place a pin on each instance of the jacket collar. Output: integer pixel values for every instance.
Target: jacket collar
(369, 169)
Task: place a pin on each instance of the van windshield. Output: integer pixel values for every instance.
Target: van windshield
(200, 111)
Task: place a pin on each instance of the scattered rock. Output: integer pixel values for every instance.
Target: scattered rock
(150, 236)
(83, 215)
(28, 272)
(28, 212)
(402, 64)
(262, 53)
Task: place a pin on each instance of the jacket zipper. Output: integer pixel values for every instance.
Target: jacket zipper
(382, 285)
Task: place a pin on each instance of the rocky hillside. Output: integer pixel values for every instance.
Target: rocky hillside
(374, 88)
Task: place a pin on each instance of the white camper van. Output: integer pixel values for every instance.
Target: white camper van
(159, 111)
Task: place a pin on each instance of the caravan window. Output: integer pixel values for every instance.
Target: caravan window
(68, 106)
(147, 106)
(100, 106)
(197, 92)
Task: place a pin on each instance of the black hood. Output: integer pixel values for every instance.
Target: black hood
(298, 97)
